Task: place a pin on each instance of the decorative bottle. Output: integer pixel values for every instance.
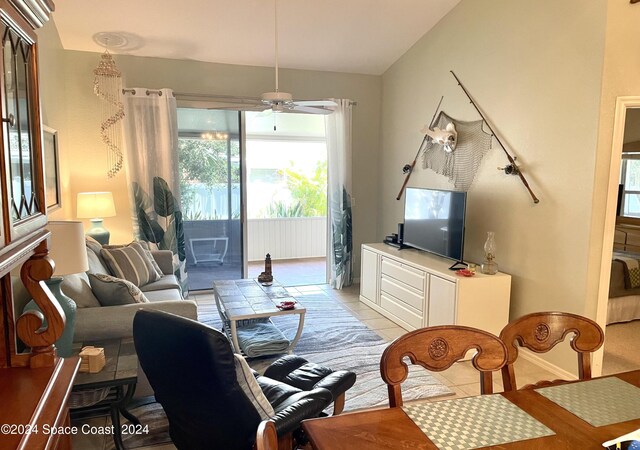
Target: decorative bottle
(489, 265)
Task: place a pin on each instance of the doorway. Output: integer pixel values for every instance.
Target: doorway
(286, 166)
(209, 159)
(227, 156)
(618, 297)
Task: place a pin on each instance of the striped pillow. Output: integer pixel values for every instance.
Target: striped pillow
(130, 263)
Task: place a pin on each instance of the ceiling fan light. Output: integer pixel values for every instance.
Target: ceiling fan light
(283, 97)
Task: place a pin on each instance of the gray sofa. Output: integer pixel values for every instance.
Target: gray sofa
(96, 322)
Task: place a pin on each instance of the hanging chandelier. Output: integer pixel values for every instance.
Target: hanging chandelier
(107, 85)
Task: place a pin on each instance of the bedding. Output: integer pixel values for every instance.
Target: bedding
(624, 299)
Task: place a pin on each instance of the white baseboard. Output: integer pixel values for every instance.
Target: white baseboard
(546, 365)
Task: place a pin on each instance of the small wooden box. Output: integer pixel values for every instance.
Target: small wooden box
(91, 359)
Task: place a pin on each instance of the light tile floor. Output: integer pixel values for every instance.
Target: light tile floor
(461, 378)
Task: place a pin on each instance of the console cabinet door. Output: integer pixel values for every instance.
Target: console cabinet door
(369, 276)
(442, 301)
(21, 131)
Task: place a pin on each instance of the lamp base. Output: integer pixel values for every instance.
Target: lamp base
(99, 232)
(64, 343)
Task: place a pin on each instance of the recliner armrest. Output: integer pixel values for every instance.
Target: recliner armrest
(298, 407)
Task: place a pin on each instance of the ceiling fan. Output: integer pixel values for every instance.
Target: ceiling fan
(283, 101)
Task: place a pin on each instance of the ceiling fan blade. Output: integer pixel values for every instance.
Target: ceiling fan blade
(315, 103)
(309, 109)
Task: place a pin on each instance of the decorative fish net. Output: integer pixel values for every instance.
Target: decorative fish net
(461, 165)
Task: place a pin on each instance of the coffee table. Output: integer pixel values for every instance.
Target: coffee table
(242, 302)
(110, 390)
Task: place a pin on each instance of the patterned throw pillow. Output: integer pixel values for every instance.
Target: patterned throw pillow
(130, 263)
(112, 291)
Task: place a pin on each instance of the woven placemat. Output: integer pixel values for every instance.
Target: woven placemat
(474, 422)
(599, 402)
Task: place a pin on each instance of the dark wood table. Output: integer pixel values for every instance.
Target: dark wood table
(391, 428)
(114, 386)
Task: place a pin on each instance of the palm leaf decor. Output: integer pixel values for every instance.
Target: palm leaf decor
(160, 220)
(341, 228)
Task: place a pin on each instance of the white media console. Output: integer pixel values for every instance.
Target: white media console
(416, 289)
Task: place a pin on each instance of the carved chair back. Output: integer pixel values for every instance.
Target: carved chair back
(540, 332)
(436, 349)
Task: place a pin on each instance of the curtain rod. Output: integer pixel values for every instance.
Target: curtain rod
(148, 92)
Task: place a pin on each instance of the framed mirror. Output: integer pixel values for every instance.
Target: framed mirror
(51, 168)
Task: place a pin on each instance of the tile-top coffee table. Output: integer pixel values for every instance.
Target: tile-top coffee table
(243, 302)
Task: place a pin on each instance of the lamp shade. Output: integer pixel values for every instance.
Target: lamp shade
(67, 247)
(95, 204)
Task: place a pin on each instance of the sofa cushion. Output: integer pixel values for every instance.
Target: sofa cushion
(163, 295)
(130, 263)
(78, 288)
(251, 388)
(166, 282)
(112, 291)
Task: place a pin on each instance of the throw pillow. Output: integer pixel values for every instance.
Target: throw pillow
(112, 291)
(251, 388)
(94, 245)
(147, 250)
(78, 288)
(130, 263)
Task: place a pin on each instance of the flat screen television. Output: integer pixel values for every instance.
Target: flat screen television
(434, 221)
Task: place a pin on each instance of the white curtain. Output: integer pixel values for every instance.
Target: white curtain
(151, 138)
(338, 134)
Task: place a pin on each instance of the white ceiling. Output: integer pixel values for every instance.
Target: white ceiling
(357, 36)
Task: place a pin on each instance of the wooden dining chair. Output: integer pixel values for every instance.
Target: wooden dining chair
(436, 349)
(540, 332)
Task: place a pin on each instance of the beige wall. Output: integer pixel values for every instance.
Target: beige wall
(84, 159)
(534, 67)
(620, 78)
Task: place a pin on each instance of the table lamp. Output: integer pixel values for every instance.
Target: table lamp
(68, 250)
(95, 206)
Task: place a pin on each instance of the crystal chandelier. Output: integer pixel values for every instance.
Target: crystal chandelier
(107, 85)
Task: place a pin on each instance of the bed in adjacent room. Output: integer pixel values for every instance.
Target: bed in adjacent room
(624, 288)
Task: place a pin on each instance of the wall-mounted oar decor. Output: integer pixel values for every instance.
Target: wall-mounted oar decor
(512, 167)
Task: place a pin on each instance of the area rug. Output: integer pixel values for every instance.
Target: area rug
(332, 336)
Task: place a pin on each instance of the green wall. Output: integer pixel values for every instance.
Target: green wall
(535, 69)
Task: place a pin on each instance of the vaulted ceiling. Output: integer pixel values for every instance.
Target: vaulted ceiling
(355, 36)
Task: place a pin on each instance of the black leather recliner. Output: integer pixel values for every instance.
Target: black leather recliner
(191, 368)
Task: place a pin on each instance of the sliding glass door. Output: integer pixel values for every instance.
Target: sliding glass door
(209, 147)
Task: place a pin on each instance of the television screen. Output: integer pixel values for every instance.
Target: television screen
(434, 221)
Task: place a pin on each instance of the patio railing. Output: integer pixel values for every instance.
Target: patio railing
(287, 238)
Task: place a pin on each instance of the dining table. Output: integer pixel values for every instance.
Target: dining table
(574, 415)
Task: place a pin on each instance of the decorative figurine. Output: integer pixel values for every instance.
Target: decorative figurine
(266, 276)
